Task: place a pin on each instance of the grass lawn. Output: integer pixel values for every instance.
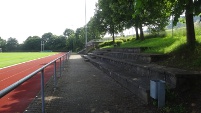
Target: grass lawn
(180, 55)
(11, 58)
(165, 44)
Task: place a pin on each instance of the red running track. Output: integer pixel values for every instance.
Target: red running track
(18, 100)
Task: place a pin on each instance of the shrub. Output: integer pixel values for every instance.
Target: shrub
(106, 43)
(130, 39)
(123, 39)
(161, 34)
(101, 44)
(118, 42)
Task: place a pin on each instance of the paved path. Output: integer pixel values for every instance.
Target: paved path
(85, 89)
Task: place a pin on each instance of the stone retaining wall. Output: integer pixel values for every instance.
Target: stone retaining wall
(136, 75)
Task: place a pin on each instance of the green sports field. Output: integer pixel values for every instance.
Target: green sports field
(11, 58)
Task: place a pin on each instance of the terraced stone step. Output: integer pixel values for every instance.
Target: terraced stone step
(139, 85)
(140, 74)
(131, 54)
(122, 50)
(143, 57)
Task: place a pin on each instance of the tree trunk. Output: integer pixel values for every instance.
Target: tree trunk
(137, 34)
(190, 31)
(112, 29)
(141, 32)
(113, 38)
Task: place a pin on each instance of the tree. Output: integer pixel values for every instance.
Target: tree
(98, 23)
(155, 13)
(93, 31)
(70, 42)
(32, 43)
(135, 13)
(125, 19)
(106, 17)
(47, 38)
(68, 32)
(162, 8)
(79, 39)
(11, 44)
(59, 43)
(2, 44)
(191, 8)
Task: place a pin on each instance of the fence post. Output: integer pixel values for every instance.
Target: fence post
(55, 75)
(63, 62)
(42, 91)
(60, 67)
(67, 55)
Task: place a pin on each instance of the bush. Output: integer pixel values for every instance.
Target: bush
(130, 38)
(161, 34)
(123, 39)
(106, 43)
(118, 42)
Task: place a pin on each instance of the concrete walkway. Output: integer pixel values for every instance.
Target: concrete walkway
(85, 89)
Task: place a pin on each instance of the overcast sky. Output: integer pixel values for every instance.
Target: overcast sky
(23, 18)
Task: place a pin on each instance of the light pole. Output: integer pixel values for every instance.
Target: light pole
(42, 45)
(85, 25)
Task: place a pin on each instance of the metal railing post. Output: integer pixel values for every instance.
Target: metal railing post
(42, 91)
(60, 66)
(66, 56)
(55, 75)
(63, 62)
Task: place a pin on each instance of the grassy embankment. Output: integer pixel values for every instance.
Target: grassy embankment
(11, 58)
(175, 46)
(179, 56)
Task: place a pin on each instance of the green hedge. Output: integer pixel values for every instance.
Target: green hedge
(106, 43)
(110, 43)
(118, 42)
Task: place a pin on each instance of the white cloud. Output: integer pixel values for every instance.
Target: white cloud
(23, 18)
